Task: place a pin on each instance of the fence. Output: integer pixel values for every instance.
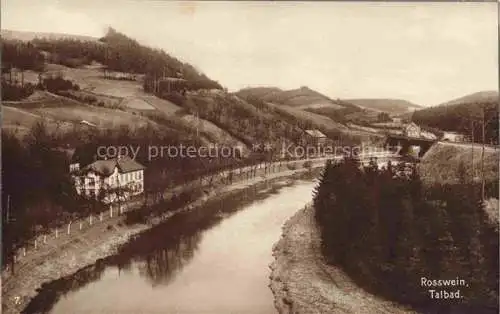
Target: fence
(46, 241)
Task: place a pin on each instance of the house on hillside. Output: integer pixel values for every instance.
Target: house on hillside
(112, 179)
(316, 137)
(454, 137)
(412, 130)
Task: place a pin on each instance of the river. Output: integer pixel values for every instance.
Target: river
(207, 261)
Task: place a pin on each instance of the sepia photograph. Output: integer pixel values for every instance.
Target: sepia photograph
(249, 157)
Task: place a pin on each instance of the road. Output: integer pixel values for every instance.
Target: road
(487, 147)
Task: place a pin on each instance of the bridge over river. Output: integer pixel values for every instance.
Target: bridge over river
(408, 144)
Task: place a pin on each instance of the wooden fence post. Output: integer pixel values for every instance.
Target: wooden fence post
(110, 211)
(69, 228)
(90, 220)
(81, 226)
(24, 251)
(100, 216)
(44, 239)
(36, 244)
(57, 233)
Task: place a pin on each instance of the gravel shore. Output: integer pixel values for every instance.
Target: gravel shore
(303, 283)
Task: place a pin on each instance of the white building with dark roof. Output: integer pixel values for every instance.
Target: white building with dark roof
(111, 179)
(412, 130)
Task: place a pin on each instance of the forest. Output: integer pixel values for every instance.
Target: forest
(387, 230)
(115, 51)
(465, 118)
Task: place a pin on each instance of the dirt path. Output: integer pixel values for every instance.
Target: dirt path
(303, 283)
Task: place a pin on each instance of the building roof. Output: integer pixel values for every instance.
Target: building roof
(172, 79)
(411, 124)
(315, 133)
(453, 133)
(106, 167)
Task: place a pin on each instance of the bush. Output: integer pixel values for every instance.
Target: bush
(174, 97)
(55, 84)
(73, 62)
(15, 92)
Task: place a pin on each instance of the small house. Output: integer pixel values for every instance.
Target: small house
(412, 130)
(316, 137)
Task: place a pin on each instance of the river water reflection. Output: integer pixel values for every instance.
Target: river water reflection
(213, 260)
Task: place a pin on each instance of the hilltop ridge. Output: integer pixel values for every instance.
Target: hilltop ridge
(388, 105)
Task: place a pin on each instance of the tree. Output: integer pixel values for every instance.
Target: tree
(383, 117)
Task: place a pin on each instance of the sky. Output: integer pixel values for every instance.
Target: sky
(427, 53)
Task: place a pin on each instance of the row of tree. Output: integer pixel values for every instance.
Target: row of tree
(21, 55)
(387, 231)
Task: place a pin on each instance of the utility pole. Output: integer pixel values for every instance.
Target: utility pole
(482, 159)
(8, 209)
(197, 122)
(472, 146)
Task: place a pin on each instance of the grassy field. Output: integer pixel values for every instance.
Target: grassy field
(111, 103)
(317, 119)
(162, 105)
(102, 117)
(137, 103)
(441, 163)
(391, 106)
(219, 136)
(20, 121)
(118, 103)
(303, 97)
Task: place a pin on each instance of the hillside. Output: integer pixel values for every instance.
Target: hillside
(443, 161)
(390, 106)
(302, 98)
(459, 114)
(483, 96)
(309, 104)
(114, 51)
(264, 93)
(116, 82)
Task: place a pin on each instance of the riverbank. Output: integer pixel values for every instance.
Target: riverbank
(96, 243)
(302, 282)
